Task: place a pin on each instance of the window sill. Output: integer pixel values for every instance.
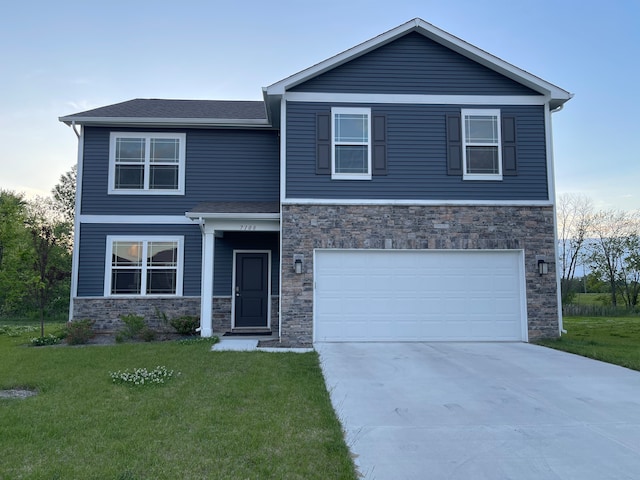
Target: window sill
(494, 178)
(145, 192)
(350, 176)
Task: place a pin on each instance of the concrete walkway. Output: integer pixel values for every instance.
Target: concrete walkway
(474, 411)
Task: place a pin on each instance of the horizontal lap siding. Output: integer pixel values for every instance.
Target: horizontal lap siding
(416, 158)
(231, 241)
(93, 242)
(93, 249)
(221, 165)
(414, 64)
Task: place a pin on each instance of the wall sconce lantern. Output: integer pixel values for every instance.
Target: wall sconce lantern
(297, 263)
(543, 266)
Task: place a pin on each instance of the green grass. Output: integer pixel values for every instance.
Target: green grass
(227, 415)
(610, 339)
(588, 298)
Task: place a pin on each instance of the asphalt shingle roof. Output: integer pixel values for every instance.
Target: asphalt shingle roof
(182, 109)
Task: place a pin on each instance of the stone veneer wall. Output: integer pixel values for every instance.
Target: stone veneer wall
(307, 227)
(106, 312)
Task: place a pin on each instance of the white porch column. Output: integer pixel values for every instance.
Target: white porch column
(206, 293)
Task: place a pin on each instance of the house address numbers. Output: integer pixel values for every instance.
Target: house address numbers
(247, 227)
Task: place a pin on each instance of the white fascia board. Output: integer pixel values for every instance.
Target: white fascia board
(440, 36)
(136, 219)
(336, 201)
(368, 98)
(169, 122)
(232, 216)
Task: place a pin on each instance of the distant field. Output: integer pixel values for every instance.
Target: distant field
(588, 298)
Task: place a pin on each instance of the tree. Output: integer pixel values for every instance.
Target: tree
(575, 216)
(50, 238)
(14, 250)
(613, 231)
(64, 194)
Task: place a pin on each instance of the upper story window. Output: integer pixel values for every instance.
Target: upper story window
(144, 266)
(351, 143)
(481, 152)
(147, 163)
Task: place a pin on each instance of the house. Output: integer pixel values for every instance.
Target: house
(401, 190)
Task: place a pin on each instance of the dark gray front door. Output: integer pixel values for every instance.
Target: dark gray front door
(251, 290)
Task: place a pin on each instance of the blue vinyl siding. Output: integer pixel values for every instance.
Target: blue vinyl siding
(414, 64)
(221, 165)
(93, 243)
(244, 241)
(416, 158)
(93, 248)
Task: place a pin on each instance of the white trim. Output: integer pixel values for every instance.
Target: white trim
(283, 149)
(356, 111)
(416, 99)
(345, 201)
(234, 216)
(557, 95)
(179, 239)
(233, 286)
(166, 122)
(472, 112)
(552, 194)
(240, 224)
(207, 281)
(75, 254)
(136, 219)
(146, 190)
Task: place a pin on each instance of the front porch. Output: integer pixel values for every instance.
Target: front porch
(240, 267)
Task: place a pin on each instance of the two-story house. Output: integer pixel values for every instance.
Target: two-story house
(401, 190)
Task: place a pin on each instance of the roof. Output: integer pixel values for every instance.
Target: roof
(556, 95)
(234, 209)
(152, 111)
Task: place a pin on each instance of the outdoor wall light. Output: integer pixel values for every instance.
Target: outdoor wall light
(297, 265)
(543, 267)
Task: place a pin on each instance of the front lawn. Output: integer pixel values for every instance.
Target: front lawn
(223, 415)
(610, 339)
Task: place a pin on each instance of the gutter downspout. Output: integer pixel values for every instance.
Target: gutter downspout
(555, 222)
(75, 254)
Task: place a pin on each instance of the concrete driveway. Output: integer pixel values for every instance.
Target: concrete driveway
(477, 411)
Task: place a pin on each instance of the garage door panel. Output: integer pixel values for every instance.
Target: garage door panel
(371, 295)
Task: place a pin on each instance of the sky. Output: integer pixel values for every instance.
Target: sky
(59, 58)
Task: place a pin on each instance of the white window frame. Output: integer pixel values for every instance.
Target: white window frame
(475, 113)
(350, 176)
(147, 136)
(145, 239)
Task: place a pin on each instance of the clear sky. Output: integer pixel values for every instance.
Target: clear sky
(58, 58)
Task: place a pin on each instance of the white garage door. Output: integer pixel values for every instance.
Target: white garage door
(419, 295)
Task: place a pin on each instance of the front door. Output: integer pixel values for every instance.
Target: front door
(251, 290)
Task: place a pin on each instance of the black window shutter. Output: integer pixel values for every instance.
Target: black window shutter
(509, 154)
(379, 160)
(323, 144)
(454, 145)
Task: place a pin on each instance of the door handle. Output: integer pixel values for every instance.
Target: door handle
(237, 291)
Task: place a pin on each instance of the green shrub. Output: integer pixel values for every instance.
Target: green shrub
(16, 330)
(147, 335)
(185, 325)
(79, 332)
(134, 326)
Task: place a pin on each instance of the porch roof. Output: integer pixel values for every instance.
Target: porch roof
(235, 210)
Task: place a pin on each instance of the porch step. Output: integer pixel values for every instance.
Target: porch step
(250, 332)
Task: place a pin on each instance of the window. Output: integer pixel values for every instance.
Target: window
(351, 147)
(149, 266)
(481, 151)
(151, 163)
